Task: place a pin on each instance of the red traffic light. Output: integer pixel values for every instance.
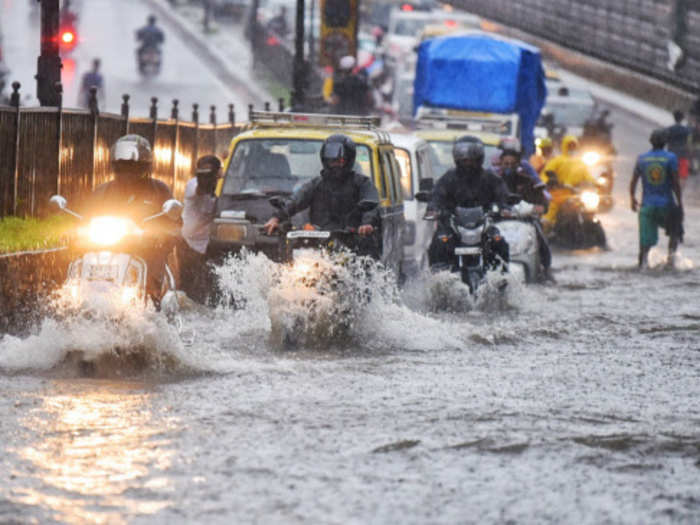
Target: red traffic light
(67, 37)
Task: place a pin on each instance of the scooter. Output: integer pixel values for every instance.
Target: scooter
(149, 60)
(107, 274)
(601, 167)
(520, 232)
(575, 226)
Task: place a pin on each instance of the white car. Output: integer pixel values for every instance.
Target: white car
(414, 156)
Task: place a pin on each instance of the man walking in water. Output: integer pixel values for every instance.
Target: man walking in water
(658, 170)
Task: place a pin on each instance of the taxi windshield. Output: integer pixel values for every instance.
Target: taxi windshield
(280, 165)
(443, 161)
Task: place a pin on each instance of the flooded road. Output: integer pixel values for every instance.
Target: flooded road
(576, 404)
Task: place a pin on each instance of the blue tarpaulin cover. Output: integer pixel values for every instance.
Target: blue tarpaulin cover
(481, 72)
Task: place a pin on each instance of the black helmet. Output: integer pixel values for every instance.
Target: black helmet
(151, 19)
(131, 157)
(468, 148)
(338, 147)
(658, 138)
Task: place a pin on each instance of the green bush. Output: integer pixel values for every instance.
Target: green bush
(18, 235)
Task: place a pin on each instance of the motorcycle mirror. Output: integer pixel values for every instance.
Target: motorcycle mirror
(276, 202)
(172, 208)
(423, 196)
(365, 206)
(59, 202)
(425, 184)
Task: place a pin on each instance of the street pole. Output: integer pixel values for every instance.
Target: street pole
(49, 62)
(299, 74)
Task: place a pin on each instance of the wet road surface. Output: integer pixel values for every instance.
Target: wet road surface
(576, 403)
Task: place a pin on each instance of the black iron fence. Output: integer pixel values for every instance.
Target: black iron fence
(639, 34)
(48, 150)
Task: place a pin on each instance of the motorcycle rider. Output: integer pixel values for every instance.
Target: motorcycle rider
(333, 197)
(466, 185)
(531, 189)
(568, 170)
(150, 37)
(658, 170)
(679, 137)
(133, 193)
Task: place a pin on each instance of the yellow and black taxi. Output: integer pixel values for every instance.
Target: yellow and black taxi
(277, 154)
(441, 139)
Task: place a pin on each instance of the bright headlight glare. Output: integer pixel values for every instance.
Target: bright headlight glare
(602, 181)
(129, 294)
(591, 158)
(590, 200)
(107, 231)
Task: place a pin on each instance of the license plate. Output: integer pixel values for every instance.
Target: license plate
(102, 272)
(231, 232)
(308, 234)
(468, 250)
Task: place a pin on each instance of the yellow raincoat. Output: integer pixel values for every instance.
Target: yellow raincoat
(570, 170)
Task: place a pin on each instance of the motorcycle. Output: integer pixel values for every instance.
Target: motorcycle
(473, 235)
(107, 272)
(575, 225)
(520, 232)
(601, 167)
(149, 60)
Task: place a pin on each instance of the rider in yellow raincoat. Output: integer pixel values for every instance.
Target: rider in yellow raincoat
(570, 171)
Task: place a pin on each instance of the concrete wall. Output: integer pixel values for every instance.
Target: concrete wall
(630, 33)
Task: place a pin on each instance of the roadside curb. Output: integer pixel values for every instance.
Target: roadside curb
(219, 64)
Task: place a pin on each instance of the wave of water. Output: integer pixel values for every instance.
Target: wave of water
(323, 301)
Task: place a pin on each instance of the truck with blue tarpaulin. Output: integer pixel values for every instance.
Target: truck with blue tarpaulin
(480, 72)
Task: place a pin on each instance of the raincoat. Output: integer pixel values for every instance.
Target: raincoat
(570, 170)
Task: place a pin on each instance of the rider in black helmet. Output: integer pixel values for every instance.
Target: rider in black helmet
(466, 185)
(333, 197)
(133, 193)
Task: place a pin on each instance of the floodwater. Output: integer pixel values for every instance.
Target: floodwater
(573, 403)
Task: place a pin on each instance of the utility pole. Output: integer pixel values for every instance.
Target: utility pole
(49, 62)
(299, 74)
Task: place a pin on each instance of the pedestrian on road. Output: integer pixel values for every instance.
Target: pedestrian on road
(658, 170)
(351, 92)
(197, 216)
(90, 79)
(679, 136)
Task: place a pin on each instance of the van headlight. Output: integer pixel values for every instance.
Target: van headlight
(590, 200)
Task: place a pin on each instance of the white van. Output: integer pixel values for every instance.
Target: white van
(414, 156)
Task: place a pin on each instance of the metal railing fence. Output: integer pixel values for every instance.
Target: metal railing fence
(50, 150)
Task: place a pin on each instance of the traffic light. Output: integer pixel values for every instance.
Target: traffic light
(338, 30)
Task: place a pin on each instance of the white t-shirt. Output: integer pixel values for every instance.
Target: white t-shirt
(197, 217)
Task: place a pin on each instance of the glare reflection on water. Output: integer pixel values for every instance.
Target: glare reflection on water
(91, 451)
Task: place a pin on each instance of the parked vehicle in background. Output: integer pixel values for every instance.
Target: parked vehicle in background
(568, 111)
(230, 8)
(278, 154)
(415, 159)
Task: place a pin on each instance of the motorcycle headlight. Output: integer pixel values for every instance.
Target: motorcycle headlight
(590, 200)
(591, 158)
(602, 181)
(469, 236)
(107, 231)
